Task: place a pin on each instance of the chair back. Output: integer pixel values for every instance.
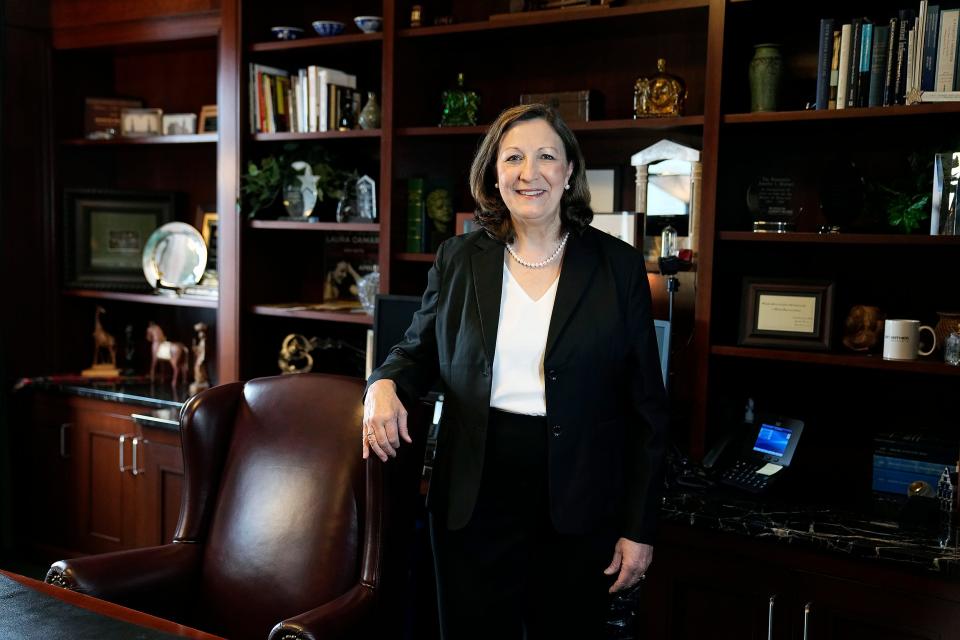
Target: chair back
(291, 520)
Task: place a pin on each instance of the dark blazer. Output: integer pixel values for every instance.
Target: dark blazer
(605, 399)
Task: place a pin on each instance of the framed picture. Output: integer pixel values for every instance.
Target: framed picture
(208, 229)
(179, 124)
(208, 118)
(604, 186)
(104, 236)
(465, 223)
(786, 313)
(141, 122)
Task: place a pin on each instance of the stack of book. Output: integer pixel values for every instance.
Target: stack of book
(311, 99)
(909, 58)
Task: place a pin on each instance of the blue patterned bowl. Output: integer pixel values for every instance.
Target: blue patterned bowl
(369, 24)
(326, 28)
(286, 33)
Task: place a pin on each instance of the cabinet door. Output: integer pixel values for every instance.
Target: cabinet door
(694, 595)
(45, 434)
(159, 480)
(104, 494)
(842, 609)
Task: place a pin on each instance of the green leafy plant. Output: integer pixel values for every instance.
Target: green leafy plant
(906, 211)
(904, 199)
(262, 183)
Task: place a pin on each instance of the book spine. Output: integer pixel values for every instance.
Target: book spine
(911, 59)
(931, 33)
(863, 75)
(855, 39)
(946, 63)
(889, 77)
(878, 64)
(904, 23)
(846, 33)
(834, 71)
(823, 62)
(415, 215)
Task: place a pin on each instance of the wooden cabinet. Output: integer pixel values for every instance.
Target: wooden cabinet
(104, 481)
(705, 584)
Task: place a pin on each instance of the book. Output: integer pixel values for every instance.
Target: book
(878, 64)
(347, 257)
(834, 71)
(824, 59)
(905, 18)
(843, 80)
(853, 82)
(931, 33)
(415, 216)
(889, 76)
(863, 72)
(945, 77)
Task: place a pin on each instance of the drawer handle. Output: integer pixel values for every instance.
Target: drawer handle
(770, 618)
(134, 469)
(63, 440)
(806, 618)
(123, 466)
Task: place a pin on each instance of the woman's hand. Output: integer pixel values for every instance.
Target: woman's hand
(384, 420)
(631, 559)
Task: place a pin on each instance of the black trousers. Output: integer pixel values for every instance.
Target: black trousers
(509, 574)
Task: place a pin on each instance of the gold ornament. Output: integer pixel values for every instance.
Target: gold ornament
(660, 95)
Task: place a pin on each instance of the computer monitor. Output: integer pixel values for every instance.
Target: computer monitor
(662, 327)
(391, 319)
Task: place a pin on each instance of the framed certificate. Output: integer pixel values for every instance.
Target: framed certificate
(786, 313)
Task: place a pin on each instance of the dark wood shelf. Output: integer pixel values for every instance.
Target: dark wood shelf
(843, 114)
(580, 127)
(931, 367)
(415, 257)
(841, 238)
(290, 225)
(196, 138)
(149, 30)
(148, 298)
(286, 136)
(536, 18)
(327, 316)
(316, 42)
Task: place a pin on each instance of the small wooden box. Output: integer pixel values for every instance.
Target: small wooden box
(573, 106)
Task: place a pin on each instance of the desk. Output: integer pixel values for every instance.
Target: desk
(31, 609)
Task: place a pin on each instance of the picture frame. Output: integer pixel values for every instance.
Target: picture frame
(789, 314)
(141, 122)
(622, 225)
(465, 223)
(105, 232)
(604, 184)
(208, 119)
(179, 124)
(209, 228)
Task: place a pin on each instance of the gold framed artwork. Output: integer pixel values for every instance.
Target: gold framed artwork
(208, 119)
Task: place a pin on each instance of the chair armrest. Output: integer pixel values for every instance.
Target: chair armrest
(155, 579)
(339, 618)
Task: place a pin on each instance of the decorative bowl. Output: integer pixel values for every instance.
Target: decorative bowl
(326, 28)
(369, 24)
(287, 33)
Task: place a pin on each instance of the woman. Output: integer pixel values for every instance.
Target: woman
(545, 489)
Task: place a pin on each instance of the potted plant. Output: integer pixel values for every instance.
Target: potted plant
(262, 183)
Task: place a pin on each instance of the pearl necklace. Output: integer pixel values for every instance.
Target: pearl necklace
(544, 262)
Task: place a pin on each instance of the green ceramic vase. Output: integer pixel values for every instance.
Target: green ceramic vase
(765, 71)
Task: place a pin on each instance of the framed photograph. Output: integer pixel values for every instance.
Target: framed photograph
(604, 189)
(786, 313)
(621, 225)
(208, 229)
(141, 122)
(208, 118)
(179, 124)
(104, 236)
(465, 223)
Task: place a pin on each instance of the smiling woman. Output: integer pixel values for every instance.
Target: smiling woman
(539, 327)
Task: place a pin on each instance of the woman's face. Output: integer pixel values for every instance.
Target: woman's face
(532, 170)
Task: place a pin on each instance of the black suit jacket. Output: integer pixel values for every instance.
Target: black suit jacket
(605, 398)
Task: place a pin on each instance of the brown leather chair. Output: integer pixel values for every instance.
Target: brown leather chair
(282, 523)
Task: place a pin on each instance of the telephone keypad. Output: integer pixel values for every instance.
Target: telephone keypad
(743, 475)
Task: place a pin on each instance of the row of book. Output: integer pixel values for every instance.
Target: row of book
(312, 99)
(430, 216)
(909, 58)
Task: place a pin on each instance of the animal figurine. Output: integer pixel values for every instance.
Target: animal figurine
(173, 352)
(103, 340)
(199, 349)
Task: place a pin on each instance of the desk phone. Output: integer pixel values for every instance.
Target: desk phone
(774, 443)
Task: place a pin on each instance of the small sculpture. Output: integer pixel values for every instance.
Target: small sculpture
(460, 106)
(863, 327)
(173, 352)
(199, 348)
(102, 340)
(659, 95)
(295, 354)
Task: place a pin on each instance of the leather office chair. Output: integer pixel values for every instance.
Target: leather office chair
(281, 524)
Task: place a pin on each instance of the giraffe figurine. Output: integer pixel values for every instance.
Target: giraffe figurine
(104, 364)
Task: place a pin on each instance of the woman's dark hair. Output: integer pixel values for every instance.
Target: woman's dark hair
(492, 213)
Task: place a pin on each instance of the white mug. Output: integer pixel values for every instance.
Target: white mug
(901, 340)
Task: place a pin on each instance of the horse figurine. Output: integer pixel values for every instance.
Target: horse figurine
(173, 352)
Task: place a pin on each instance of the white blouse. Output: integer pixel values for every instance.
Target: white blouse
(517, 384)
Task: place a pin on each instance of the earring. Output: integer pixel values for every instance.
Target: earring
(496, 185)
(566, 187)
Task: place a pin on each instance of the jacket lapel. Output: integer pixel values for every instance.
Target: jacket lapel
(487, 265)
(579, 263)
